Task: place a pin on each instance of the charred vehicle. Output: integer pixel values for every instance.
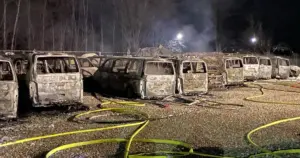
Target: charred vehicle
(280, 68)
(54, 78)
(265, 68)
(87, 67)
(251, 67)
(137, 76)
(9, 90)
(234, 71)
(192, 77)
(224, 70)
(89, 63)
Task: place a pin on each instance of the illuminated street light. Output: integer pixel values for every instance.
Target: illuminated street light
(179, 36)
(253, 40)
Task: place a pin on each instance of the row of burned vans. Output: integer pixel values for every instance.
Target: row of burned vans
(265, 67)
(149, 77)
(54, 78)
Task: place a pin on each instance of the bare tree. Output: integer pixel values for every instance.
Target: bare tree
(28, 24)
(15, 25)
(4, 24)
(43, 31)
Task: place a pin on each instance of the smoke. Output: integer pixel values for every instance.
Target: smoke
(200, 22)
(198, 30)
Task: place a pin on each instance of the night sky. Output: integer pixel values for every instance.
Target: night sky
(119, 25)
(279, 19)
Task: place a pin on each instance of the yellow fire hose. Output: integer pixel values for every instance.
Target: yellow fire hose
(266, 151)
(142, 124)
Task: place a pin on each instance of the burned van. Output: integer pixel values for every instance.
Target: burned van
(280, 67)
(265, 68)
(234, 71)
(87, 67)
(9, 90)
(137, 76)
(251, 67)
(192, 77)
(54, 78)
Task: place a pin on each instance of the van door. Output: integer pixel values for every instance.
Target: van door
(118, 79)
(102, 74)
(58, 79)
(234, 71)
(265, 68)
(194, 77)
(251, 67)
(87, 68)
(284, 68)
(160, 78)
(9, 91)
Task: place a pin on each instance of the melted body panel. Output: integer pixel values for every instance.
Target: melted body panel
(194, 78)
(234, 71)
(160, 85)
(251, 67)
(280, 68)
(8, 91)
(265, 68)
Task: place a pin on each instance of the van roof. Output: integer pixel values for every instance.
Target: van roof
(138, 58)
(279, 57)
(55, 54)
(232, 58)
(264, 57)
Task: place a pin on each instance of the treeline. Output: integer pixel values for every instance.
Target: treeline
(102, 25)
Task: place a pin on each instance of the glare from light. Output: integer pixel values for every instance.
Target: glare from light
(179, 36)
(253, 40)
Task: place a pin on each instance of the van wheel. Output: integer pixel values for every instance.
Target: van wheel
(130, 92)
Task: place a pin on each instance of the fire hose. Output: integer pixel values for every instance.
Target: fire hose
(143, 123)
(265, 151)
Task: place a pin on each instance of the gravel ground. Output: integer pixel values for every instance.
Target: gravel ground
(217, 130)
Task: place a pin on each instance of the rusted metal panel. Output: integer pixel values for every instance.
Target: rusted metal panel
(54, 79)
(8, 90)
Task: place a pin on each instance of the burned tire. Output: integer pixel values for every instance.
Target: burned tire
(130, 93)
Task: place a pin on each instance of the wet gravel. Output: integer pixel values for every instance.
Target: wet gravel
(218, 131)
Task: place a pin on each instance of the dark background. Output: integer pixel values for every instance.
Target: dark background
(118, 25)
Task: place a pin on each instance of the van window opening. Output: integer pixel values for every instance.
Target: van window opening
(120, 65)
(6, 73)
(265, 62)
(85, 63)
(250, 60)
(95, 61)
(234, 64)
(134, 66)
(194, 67)
(56, 65)
(283, 62)
(159, 68)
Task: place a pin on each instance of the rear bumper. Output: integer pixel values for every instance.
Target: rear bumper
(46, 99)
